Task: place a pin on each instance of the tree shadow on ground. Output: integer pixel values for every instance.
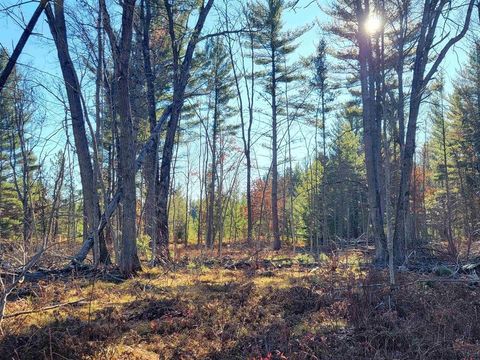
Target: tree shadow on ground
(76, 338)
(422, 320)
(308, 317)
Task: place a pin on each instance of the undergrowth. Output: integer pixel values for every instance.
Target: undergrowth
(336, 308)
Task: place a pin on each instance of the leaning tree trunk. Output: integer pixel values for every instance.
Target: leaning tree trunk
(164, 182)
(21, 43)
(181, 74)
(432, 12)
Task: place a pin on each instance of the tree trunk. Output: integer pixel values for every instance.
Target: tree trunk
(201, 182)
(129, 262)
(164, 182)
(246, 129)
(56, 22)
(213, 174)
(187, 198)
(275, 227)
(452, 249)
(151, 162)
(372, 142)
(127, 164)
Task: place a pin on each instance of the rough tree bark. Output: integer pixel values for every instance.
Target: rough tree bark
(128, 262)
(151, 163)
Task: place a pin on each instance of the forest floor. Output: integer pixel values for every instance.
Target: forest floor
(270, 306)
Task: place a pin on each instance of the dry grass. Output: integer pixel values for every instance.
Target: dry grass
(206, 309)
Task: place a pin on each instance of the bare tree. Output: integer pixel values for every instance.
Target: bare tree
(246, 125)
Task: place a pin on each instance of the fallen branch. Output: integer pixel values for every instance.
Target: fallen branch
(27, 312)
(8, 289)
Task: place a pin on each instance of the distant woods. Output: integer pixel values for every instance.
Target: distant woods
(207, 123)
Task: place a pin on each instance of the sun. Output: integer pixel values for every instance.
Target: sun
(373, 23)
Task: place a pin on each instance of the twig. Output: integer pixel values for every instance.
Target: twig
(26, 312)
(7, 290)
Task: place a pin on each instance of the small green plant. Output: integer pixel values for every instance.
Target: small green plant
(323, 258)
(304, 259)
(443, 271)
(197, 267)
(143, 246)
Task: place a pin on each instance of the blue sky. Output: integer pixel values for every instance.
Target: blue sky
(39, 60)
(36, 52)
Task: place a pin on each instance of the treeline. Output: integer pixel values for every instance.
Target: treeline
(182, 130)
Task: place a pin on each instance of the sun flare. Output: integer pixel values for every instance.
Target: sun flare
(373, 23)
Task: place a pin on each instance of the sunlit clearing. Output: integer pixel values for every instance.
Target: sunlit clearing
(373, 24)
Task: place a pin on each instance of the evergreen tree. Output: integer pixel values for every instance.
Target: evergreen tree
(323, 92)
(273, 45)
(17, 162)
(442, 163)
(10, 205)
(464, 137)
(345, 190)
(221, 92)
(346, 181)
(306, 203)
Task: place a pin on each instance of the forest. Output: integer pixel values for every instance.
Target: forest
(240, 179)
